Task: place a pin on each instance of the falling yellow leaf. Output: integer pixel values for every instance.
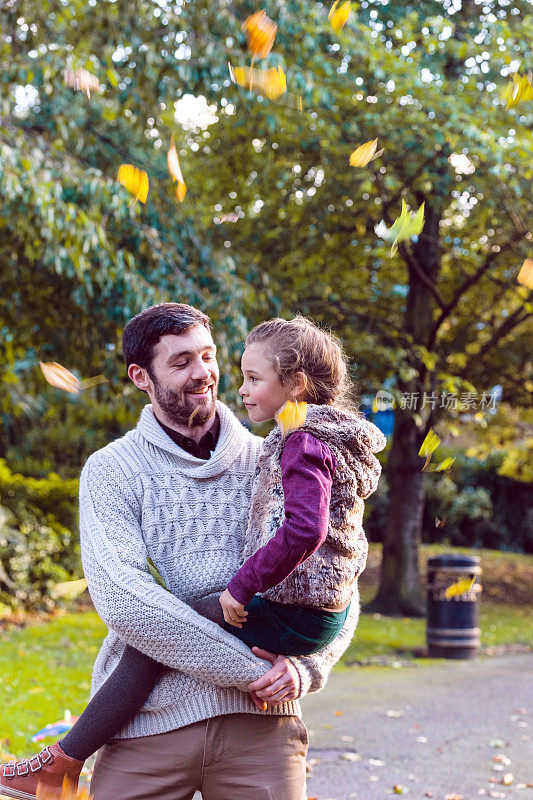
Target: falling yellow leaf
(60, 377)
(69, 791)
(525, 276)
(338, 14)
(270, 82)
(134, 180)
(260, 32)
(459, 587)
(428, 446)
(406, 226)
(292, 415)
(175, 170)
(88, 383)
(447, 462)
(69, 589)
(364, 154)
(82, 79)
(519, 89)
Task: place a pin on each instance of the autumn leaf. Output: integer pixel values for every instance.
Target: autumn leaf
(406, 226)
(260, 32)
(447, 462)
(175, 170)
(365, 153)
(69, 590)
(270, 82)
(60, 377)
(82, 79)
(291, 416)
(525, 276)
(134, 180)
(428, 446)
(459, 587)
(154, 572)
(338, 14)
(519, 89)
(69, 791)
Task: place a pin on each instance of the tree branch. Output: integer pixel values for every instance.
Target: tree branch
(518, 316)
(473, 279)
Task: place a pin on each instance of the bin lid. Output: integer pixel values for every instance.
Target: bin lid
(453, 560)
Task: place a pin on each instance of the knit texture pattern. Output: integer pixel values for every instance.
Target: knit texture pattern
(328, 578)
(143, 495)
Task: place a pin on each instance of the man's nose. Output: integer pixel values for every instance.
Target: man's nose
(200, 370)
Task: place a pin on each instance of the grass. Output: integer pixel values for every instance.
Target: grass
(45, 667)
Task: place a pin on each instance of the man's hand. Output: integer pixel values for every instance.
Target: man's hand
(279, 684)
(234, 612)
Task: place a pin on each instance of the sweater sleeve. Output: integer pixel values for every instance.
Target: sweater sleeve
(132, 604)
(314, 669)
(307, 468)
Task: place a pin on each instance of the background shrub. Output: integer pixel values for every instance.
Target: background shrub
(39, 542)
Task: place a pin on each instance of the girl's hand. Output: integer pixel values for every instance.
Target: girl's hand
(234, 612)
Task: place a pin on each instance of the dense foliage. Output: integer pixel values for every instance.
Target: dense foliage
(39, 543)
(445, 314)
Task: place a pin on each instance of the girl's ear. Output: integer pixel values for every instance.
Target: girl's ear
(298, 384)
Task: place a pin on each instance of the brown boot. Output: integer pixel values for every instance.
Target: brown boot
(19, 779)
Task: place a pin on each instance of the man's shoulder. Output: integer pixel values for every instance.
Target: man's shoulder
(116, 455)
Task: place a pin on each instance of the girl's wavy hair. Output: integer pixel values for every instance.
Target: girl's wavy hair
(298, 345)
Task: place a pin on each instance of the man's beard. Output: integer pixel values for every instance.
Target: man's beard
(181, 409)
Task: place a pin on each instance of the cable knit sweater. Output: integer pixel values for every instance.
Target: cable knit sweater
(143, 495)
(328, 577)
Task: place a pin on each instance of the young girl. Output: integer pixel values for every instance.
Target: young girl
(305, 545)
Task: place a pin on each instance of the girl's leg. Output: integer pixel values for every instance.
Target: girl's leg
(114, 704)
(124, 693)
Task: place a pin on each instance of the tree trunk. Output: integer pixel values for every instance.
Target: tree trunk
(400, 591)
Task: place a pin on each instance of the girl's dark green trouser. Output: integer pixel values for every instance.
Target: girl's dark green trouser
(287, 629)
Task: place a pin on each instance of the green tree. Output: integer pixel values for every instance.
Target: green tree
(445, 314)
(78, 258)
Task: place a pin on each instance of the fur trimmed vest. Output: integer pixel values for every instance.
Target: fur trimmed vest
(328, 578)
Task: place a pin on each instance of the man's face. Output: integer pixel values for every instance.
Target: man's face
(184, 376)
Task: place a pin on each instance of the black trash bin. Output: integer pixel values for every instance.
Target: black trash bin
(453, 607)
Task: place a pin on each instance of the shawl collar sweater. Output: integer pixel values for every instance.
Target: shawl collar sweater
(144, 495)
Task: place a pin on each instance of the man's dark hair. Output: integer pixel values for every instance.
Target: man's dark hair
(142, 333)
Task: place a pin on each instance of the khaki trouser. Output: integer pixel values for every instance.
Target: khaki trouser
(231, 757)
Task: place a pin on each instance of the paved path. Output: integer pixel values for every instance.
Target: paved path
(432, 728)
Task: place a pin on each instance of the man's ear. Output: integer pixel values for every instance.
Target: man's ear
(140, 377)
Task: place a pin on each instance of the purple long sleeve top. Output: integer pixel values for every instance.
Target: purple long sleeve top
(307, 467)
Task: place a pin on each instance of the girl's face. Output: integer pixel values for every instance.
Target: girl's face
(262, 392)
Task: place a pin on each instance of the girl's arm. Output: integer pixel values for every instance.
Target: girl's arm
(307, 467)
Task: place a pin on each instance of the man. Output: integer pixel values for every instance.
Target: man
(223, 720)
